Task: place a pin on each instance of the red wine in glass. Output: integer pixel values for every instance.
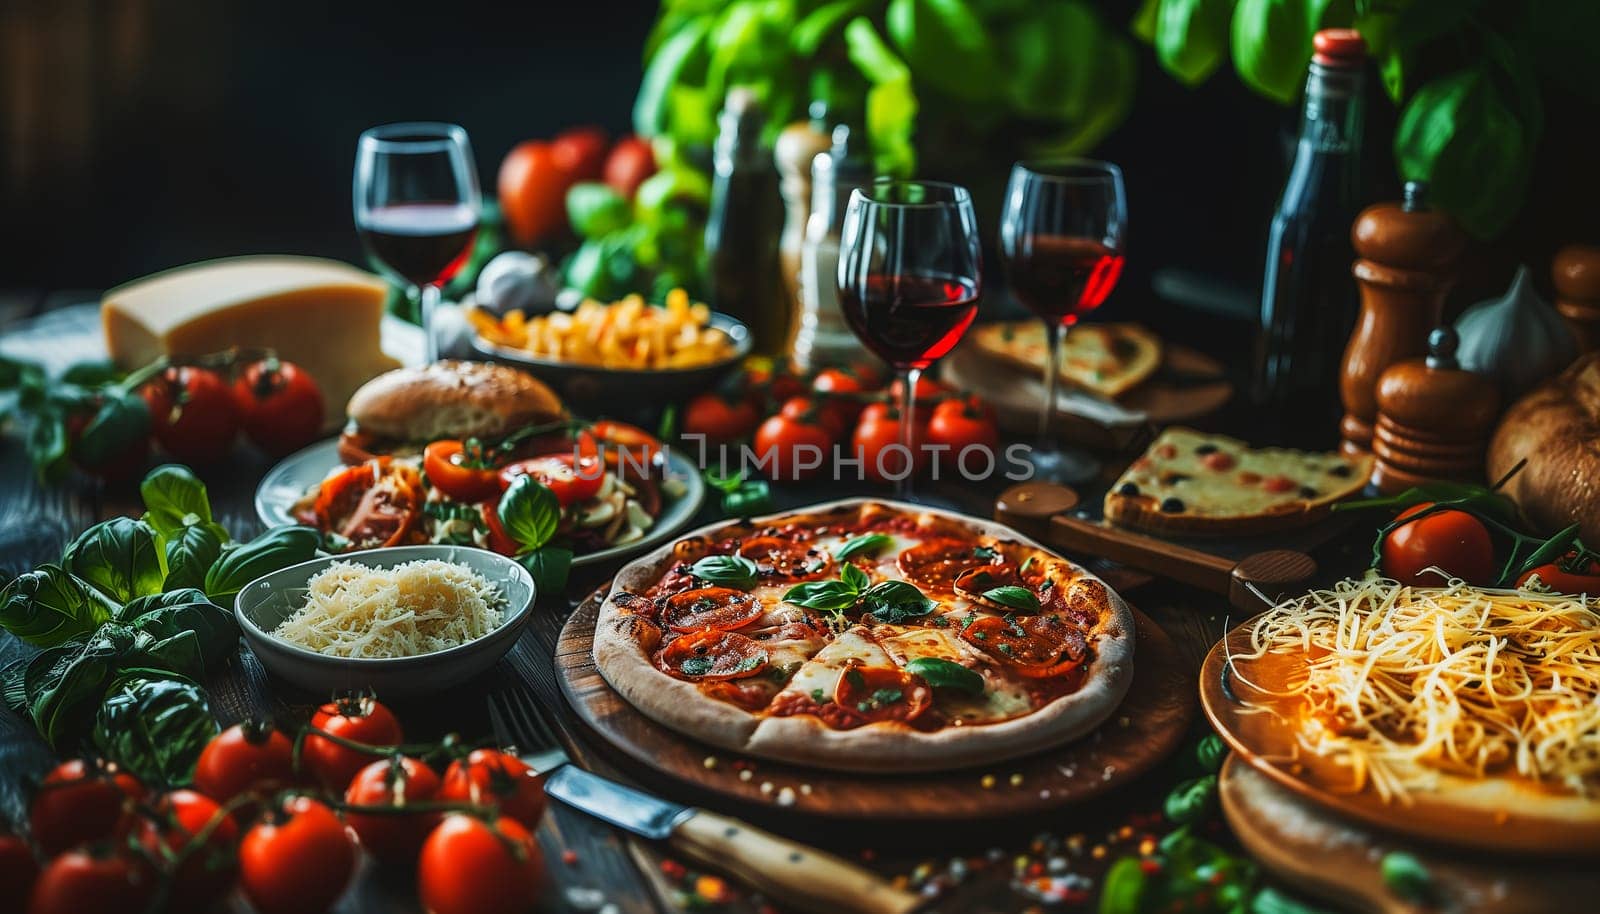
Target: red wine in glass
(910, 321)
(425, 243)
(1060, 278)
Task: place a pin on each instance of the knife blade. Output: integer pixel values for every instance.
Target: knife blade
(792, 874)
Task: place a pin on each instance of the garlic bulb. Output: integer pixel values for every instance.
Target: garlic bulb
(1517, 339)
(517, 280)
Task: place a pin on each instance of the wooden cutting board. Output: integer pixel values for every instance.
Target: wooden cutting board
(1339, 860)
(1149, 725)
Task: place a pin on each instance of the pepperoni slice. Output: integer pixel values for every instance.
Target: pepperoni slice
(1034, 646)
(782, 559)
(938, 562)
(718, 608)
(710, 655)
(882, 693)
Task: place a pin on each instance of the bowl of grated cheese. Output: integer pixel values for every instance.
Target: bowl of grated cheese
(401, 621)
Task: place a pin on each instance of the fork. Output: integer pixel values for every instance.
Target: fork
(520, 724)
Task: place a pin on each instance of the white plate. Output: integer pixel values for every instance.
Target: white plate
(289, 481)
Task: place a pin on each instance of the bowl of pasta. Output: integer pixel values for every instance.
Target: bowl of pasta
(629, 351)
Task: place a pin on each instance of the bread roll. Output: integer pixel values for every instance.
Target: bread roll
(451, 399)
(1557, 428)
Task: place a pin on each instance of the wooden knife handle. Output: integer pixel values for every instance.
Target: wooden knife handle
(793, 875)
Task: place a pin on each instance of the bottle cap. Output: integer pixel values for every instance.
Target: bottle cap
(1339, 48)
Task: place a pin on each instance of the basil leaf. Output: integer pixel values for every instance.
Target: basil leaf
(155, 727)
(696, 666)
(65, 684)
(748, 500)
(946, 44)
(854, 578)
(190, 554)
(1191, 37)
(946, 674)
(529, 512)
(595, 209)
(47, 445)
(118, 557)
(866, 544)
(727, 570)
(1459, 134)
(550, 566)
(241, 563)
(175, 498)
(169, 615)
(1018, 598)
(829, 596)
(896, 601)
(49, 605)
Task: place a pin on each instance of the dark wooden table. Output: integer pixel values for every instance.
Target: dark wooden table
(592, 866)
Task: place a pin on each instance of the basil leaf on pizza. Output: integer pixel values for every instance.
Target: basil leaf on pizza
(945, 674)
(828, 596)
(854, 578)
(1018, 598)
(895, 602)
(866, 544)
(727, 570)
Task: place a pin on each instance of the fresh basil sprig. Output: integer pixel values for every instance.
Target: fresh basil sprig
(529, 512)
(741, 497)
(895, 602)
(887, 601)
(945, 674)
(727, 570)
(866, 544)
(1018, 598)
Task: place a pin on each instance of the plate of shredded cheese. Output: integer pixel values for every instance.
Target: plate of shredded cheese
(399, 621)
(1456, 714)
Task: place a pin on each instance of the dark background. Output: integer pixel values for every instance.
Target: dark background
(143, 134)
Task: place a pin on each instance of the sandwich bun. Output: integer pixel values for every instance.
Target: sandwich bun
(448, 399)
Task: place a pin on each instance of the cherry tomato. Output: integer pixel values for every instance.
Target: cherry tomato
(1571, 574)
(358, 718)
(1454, 541)
(377, 503)
(719, 419)
(279, 405)
(458, 473)
(961, 423)
(498, 539)
(392, 837)
(469, 866)
(876, 443)
(928, 390)
(297, 860)
(533, 192)
(79, 802)
(630, 162)
(794, 446)
(18, 869)
(569, 479)
(581, 152)
(245, 757)
(848, 386)
(809, 409)
(192, 413)
(772, 381)
(197, 877)
(489, 777)
(91, 881)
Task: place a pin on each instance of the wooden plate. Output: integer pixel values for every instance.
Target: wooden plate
(1149, 725)
(1339, 861)
(1502, 815)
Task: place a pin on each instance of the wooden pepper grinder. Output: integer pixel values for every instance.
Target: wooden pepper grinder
(797, 145)
(1407, 251)
(1576, 273)
(1434, 419)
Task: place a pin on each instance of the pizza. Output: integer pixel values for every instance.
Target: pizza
(866, 635)
(1105, 359)
(1193, 483)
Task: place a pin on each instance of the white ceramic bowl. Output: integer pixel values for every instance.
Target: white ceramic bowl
(265, 602)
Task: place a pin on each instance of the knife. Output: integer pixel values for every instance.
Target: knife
(792, 874)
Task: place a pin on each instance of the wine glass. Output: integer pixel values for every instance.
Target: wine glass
(416, 206)
(1062, 237)
(909, 276)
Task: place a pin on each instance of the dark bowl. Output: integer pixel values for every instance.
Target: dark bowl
(590, 390)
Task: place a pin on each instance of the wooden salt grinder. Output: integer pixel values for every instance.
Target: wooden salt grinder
(1576, 274)
(1406, 252)
(1434, 419)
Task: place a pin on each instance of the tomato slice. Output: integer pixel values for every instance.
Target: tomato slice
(938, 562)
(719, 608)
(710, 656)
(883, 693)
(571, 479)
(620, 437)
(1034, 646)
(783, 559)
(499, 540)
(374, 504)
(458, 473)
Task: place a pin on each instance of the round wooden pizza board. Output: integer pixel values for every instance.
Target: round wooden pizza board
(1149, 725)
(1339, 860)
(1494, 815)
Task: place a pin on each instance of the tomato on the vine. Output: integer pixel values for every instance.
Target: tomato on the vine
(192, 413)
(876, 443)
(91, 881)
(804, 409)
(568, 478)
(462, 473)
(927, 389)
(297, 859)
(248, 756)
(719, 418)
(391, 836)
(1572, 574)
(79, 802)
(1454, 541)
(358, 718)
(960, 423)
(844, 387)
(279, 404)
(469, 866)
(196, 876)
(489, 777)
(794, 445)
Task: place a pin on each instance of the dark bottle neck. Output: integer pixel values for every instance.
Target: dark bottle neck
(1331, 120)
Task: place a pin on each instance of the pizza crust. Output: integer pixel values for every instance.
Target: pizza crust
(623, 658)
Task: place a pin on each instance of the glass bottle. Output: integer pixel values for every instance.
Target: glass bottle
(743, 228)
(823, 339)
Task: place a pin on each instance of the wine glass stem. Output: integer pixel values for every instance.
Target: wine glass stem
(1053, 332)
(908, 424)
(429, 296)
